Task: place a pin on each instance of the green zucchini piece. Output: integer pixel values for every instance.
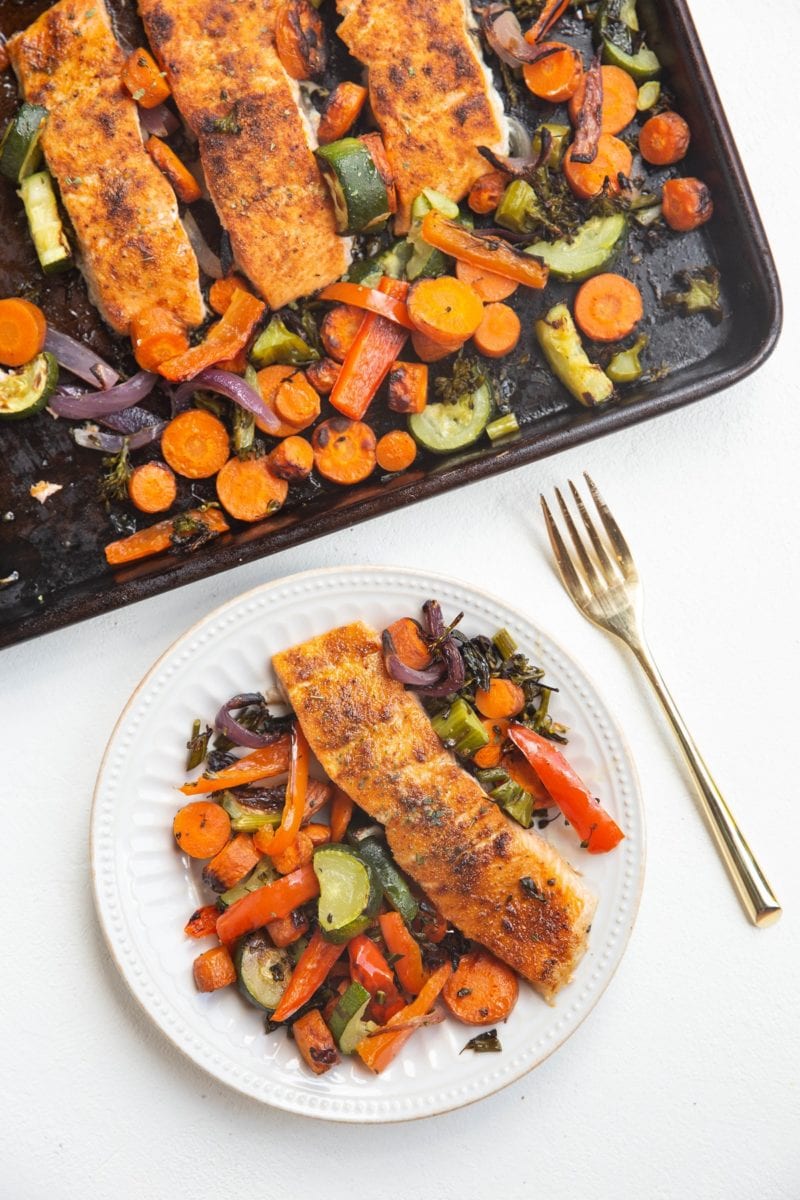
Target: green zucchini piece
(426, 261)
(263, 970)
(517, 207)
(394, 886)
(52, 248)
(349, 893)
(443, 428)
(347, 1024)
(391, 262)
(625, 366)
(614, 25)
(262, 874)
(247, 818)
(503, 427)
(278, 344)
(20, 152)
(649, 95)
(642, 66)
(593, 248)
(563, 349)
(360, 200)
(461, 728)
(26, 391)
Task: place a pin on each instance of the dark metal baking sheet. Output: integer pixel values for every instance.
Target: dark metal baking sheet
(56, 548)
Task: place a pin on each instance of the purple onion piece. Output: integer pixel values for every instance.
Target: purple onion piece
(454, 679)
(226, 723)
(92, 438)
(100, 404)
(434, 621)
(131, 420)
(503, 32)
(208, 261)
(79, 359)
(404, 674)
(160, 121)
(213, 379)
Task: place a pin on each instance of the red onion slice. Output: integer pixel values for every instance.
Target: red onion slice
(213, 379)
(131, 420)
(455, 676)
(79, 359)
(405, 674)
(208, 261)
(226, 723)
(100, 404)
(92, 438)
(160, 121)
(503, 32)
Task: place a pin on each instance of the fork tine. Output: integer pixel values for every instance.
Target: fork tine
(595, 582)
(621, 548)
(608, 568)
(572, 580)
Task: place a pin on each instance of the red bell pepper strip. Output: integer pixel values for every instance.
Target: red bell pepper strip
(312, 968)
(597, 830)
(202, 922)
(373, 299)
(261, 764)
(369, 968)
(296, 788)
(378, 1050)
(341, 812)
(225, 339)
(375, 349)
(400, 941)
(268, 903)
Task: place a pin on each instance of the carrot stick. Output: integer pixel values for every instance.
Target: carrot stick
(265, 763)
(344, 451)
(490, 253)
(341, 111)
(202, 922)
(341, 812)
(144, 81)
(557, 76)
(409, 644)
(587, 180)
(23, 327)
(373, 299)
(315, 1042)
(312, 969)
(183, 182)
(189, 530)
(408, 387)
(553, 9)
(400, 941)
(152, 487)
(498, 332)
(213, 969)
(489, 287)
(619, 99)
(195, 444)
(370, 357)
(608, 307)
(396, 451)
(487, 191)
(221, 292)
(249, 490)
(445, 309)
(292, 459)
(338, 330)
(201, 829)
(501, 699)
(223, 340)
(482, 990)
(286, 930)
(664, 139)
(319, 834)
(377, 1052)
(322, 375)
(686, 203)
(231, 863)
(156, 335)
(268, 903)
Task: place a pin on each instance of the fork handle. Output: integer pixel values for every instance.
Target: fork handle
(755, 893)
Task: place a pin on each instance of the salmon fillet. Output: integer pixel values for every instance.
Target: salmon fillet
(256, 144)
(430, 91)
(133, 250)
(375, 741)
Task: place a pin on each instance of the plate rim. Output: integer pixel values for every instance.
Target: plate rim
(343, 1117)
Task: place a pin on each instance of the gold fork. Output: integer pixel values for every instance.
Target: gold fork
(607, 590)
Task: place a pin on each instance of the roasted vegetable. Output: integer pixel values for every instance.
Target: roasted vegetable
(699, 292)
(625, 366)
(616, 31)
(460, 728)
(20, 152)
(52, 248)
(263, 970)
(592, 249)
(279, 344)
(562, 347)
(359, 194)
(26, 391)
(349, 892)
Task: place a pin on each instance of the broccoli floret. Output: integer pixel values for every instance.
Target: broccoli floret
(699, 293)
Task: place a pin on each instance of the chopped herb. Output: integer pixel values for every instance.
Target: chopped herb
(699, 292)
(230, 122)
(467, 376)
(114, 482)
(532, 889)
(189, 533)
(483, 1043)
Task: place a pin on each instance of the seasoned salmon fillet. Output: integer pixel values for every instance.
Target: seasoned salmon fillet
(430, 92)
(375, 741)
(256, 144)
(132, 248)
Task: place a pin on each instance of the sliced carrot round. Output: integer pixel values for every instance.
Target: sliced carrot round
(152, 487)
(396, 451)
(201, 828)
(344, 451)
(292, 459)
(482, 990)
(429, 350)
(409, 644)
(23, 328)
(300, 39)
(613, 159)
(221, 292)
(620, 95)
(338, 330)
(502, 698)
(270, 380)
(195, 444)
(296, 402)
(341, 111)
(664, 139)
(183, 182)
(498, 332)
(249, 490)
(557, 76)
(686, 203)
(445, 309)
(157, 334)
(490, 287)
(487, 192)
(608, 307)
(322, 375)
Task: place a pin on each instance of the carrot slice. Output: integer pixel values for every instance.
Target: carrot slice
(686, 203)
(400, 941)
(338, 330)
(489, 287)
(341, 111)
(312, 969)
(286, 930)
(557, 76)
(341, 812)
(201, 829)
(157, 334)
(372, 299)
(429, 350)
(269, 380)
(378, 1051)
(292, 459)
(152, 487)
(501, 699)
(608, 307)
(587, 180)
(319, 834)
(370, 357)
(408, 387)
(297, 854)
(213, 969)
(498, 332)
(296, 402)
(265, 763)
(188, 530)
(231, 863)
(322, 375)
(203, 922)
(221, 292)
(223, 340)
(487, 191)
(620, 94)
(195, 444)
(249, 490)
(396, 451)
(664, 139)
(409, 644)
(490, 754)
(315, 1042)
(23, 328)
(445, 309)
(490, 253)
(183, 182)
(481, 990)
(344, 451)
(300, 39)
(144, 81)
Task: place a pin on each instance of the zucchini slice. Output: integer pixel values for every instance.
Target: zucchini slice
(360, 199)
(248, 817)
(393, 884)
(563, 349)
(39, 197)
(349, 893)
(27, 390)
(20, 152)
(426, 261)
(263, 970)
(262, 874)
(443, 428)
(592, 249)
(347, 1024)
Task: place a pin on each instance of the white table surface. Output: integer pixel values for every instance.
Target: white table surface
(684, 1080)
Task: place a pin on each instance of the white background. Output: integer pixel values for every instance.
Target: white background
(684, 1080)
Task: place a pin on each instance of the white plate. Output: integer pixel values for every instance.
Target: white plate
(145, 890)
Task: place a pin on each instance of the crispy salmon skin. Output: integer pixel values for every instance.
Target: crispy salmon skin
(375, 741)
(133, 250)
(430, 92)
